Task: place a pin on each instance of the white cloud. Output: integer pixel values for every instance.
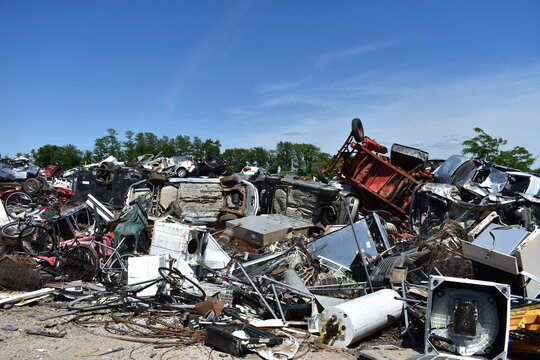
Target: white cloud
(434, 107)
(271, 87)
(324, 59)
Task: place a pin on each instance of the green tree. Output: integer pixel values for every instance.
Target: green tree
(486, 146)
(202, 149)
(67, 156)
(259, 156)
(183, 145)
(146, 143)
(283, 157)
(87, 157)
(129, 146)
(235, 159)
(26, 155)
(166, 146)
(108, 145)
(306, 157)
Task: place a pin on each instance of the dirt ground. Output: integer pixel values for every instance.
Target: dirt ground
(87, 343)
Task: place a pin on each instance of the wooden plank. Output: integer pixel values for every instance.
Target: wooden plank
(27, 295)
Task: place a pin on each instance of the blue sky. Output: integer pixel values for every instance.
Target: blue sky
(252, 73)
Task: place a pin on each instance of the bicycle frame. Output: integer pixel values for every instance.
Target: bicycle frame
(107, 253)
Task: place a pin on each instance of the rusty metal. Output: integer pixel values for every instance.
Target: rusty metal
(142, 328)
(240, 212)
(19, 273)
(381, 186)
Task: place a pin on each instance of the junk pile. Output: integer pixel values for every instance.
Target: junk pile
(399, 254)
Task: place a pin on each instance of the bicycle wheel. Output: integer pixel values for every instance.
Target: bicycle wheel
(36, 240)
(12, 230)
(17, 204)
(117, 272)
(81, 263)
(182, 283)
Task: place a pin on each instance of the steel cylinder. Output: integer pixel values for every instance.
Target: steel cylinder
(353, 320)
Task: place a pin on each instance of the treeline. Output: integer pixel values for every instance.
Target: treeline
(301, 159)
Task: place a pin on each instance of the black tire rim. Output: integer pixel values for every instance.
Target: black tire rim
(357, 130)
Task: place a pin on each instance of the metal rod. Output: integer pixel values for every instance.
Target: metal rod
(338, 288)
(67, 313)
(278, 303)
(405, 314)
(258, 292)
(414, 301)
(517, 297)
(336, 285)
(288, 287)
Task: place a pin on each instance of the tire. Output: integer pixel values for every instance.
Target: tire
(12, 230)
(349, 205)
(81, 263)
(279, 202)
(32, 186)
(104, 177)
(36, 240)
(177, 279)
(17, 203)
(107, 165)
(357, 130)
(320, 174)
(181, 172)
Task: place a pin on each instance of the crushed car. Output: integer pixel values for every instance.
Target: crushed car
(389, 257)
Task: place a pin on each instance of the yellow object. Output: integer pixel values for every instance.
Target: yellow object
(525, 321)
(527, 318)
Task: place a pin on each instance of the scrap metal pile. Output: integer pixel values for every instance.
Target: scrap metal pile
(426, 257)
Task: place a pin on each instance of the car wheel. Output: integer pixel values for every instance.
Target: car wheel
(32, 186)
(357, 130)
(181, 172)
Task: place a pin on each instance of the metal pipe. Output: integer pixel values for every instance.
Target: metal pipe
(258, 292)
(278, 303)
(336, 285)
(517, 297)
(414, 301)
